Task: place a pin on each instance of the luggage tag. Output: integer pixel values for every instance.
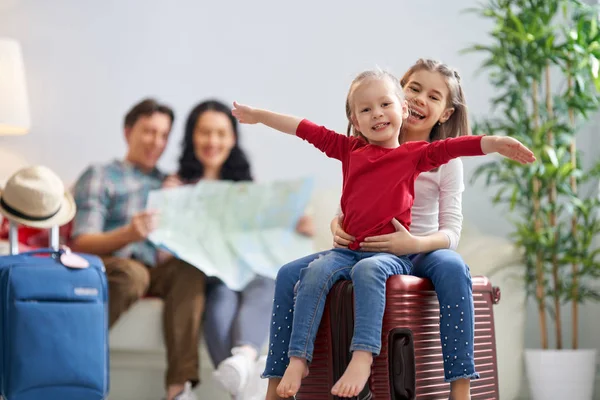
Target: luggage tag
(72, 260)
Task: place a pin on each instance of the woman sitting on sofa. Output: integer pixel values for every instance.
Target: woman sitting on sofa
(235, 323)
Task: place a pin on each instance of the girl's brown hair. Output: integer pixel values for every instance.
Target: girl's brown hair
(458, 123)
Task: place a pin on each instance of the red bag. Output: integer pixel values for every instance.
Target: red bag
(35, 237)
(410, 365)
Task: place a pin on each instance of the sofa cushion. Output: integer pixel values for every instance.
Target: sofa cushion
(139, 328)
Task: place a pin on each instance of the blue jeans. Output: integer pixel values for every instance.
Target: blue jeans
(369, 273)
(236, 318)
(283, 315)
(452, 281)
(315, 275)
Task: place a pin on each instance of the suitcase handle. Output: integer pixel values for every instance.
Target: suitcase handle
(64, 255)
(401, 362)
(495, 295)
(13, 238)
(49, 251)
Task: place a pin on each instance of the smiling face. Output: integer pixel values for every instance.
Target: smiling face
(213, 140)
(147, 139)
(429, 103)
(378, 112)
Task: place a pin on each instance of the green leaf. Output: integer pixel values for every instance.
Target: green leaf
(513, 198)
(551, 153)
(593, 27)
(517, 22)
(580, 83)
(578, 203)
(595, 66)
(477, 48)
(549, 43)
(595, 70)
(565, 170)
(573, 35)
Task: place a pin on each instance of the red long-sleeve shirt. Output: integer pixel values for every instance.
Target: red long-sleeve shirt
(378, 183)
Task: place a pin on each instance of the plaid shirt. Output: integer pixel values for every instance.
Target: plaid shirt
(108, 196)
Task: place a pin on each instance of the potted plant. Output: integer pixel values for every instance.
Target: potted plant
(544, 61)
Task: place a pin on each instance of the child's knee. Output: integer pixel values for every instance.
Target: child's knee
(312, 276)
(455, 270)
(368, 268)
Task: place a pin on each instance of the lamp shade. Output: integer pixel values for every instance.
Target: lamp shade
(14, 105)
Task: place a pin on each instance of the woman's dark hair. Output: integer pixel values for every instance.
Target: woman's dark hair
(235, 168)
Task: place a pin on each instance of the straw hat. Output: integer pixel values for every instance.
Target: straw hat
(35, 196)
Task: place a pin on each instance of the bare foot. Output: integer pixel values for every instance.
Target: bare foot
(272, 389)
(356, 375)
(460, 389)
(292, 378)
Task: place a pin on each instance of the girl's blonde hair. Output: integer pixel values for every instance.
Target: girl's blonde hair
(373, 74)
(458, 123)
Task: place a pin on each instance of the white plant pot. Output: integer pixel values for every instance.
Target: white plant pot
(561, 374)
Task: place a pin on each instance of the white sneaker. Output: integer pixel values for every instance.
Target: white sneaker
(186, 393)
(256, 388)
(232, 373)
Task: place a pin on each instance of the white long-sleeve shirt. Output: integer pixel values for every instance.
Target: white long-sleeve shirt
(438, 202)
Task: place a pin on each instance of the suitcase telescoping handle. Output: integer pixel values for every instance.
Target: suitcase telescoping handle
(13, 238)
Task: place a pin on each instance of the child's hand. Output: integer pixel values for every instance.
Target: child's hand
(508, 147)
(244, 114)
(280, 122)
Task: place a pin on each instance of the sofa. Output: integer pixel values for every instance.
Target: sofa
(137, 353)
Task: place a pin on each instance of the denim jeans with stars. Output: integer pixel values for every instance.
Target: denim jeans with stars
(451, 278)
(283, 315)
(368, 272)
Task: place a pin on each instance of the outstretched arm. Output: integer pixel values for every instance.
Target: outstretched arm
(508, 147)
(281, 122)
(329, 142)
(440, 152)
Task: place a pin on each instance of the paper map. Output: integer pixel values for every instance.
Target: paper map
(233, 230)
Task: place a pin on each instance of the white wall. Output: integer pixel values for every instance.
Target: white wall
(89, 61)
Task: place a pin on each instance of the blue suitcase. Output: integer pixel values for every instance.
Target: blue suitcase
(54, 326)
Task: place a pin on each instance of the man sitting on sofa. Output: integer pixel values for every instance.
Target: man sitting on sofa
(112, 222)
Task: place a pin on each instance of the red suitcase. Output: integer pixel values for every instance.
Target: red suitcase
(410, 365)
